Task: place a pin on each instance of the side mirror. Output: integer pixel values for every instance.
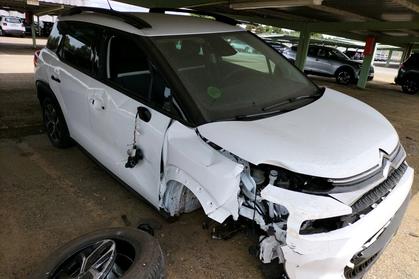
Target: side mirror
(144, 114)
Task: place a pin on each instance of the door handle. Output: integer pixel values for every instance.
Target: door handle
(55, 79)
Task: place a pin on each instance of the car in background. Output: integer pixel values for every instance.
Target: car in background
(408, 75)
(330, 62)
(10, 25)
(380, 56)
(280, 47)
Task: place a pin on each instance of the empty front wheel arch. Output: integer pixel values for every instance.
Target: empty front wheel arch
(178, 199)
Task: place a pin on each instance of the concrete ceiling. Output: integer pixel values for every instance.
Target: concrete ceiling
(394, 22)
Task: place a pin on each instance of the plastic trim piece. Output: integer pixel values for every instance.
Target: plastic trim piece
(126, 17)
(217, 17)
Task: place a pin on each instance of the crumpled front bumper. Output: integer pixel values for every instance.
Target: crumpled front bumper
(326, 255)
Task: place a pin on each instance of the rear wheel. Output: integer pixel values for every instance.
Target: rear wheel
(411, 85)
(55, 124)
(344, 76)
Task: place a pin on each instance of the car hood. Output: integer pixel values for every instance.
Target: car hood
(336, 136)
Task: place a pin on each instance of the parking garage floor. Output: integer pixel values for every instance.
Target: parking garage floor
(49, 196)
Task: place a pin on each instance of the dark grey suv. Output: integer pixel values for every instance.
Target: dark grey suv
(331, 62)
(408, 75)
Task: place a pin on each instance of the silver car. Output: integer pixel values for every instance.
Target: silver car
(331, 62)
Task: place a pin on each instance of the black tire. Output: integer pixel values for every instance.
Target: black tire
(55, 124)
(137, 256)
(411, 85)
(344, 76)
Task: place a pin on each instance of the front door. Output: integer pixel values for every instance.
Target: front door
(129, 83)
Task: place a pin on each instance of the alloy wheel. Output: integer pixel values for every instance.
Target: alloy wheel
(52, 122)
(344, 77)
(411, 86)
(105, 259)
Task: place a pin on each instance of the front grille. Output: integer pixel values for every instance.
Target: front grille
(395, 159)
(359, 269)
(375, 196)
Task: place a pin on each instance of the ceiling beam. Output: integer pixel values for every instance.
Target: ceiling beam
(174, 4)
(367, 25)
(351, 16)
(355, 16)
(408, 5)
(50, 10)
(280, 14)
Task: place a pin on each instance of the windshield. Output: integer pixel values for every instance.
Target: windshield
(339, 54)
(234, 74)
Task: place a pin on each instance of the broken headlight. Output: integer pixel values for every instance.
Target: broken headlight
(292, 181)
(322, 225)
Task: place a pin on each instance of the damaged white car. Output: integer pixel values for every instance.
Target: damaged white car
(213, 117)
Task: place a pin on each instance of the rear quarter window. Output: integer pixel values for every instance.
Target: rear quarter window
(54, 38)
(77, 45)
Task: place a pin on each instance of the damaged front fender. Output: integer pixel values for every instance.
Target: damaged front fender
(213, 178)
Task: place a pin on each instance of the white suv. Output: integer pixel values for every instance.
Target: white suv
(10, 25)
(242, 134)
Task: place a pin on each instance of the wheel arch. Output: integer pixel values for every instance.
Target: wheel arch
(210, 176)
(343, 67)
(44, 90)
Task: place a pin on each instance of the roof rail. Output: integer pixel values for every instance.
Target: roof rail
(217, 17)
(126, 17)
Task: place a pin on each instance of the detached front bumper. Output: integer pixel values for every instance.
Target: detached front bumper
(347, 252)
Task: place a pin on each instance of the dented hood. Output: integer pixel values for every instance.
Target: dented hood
(336, 136)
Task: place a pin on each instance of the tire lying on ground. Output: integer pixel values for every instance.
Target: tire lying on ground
(125, 253)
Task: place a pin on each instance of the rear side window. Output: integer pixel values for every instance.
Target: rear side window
(54, 38)
(77, 45)
(12, 20)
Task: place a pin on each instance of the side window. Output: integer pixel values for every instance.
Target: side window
(54, 37)
(312, 51)
(77, 45)
(129, 68)
(323, 53)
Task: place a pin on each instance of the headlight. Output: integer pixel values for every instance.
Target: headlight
(325, 225)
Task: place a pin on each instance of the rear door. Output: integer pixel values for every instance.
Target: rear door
(323, 61)
(75, 74)
(310, 60)
(130, 81)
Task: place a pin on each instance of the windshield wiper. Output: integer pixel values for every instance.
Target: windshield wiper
(259, 115)
(292, 100)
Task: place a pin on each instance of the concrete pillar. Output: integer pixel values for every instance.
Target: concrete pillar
(302, 50)
(390, 53)
(38, 31)
(33, 31)
(366, 64)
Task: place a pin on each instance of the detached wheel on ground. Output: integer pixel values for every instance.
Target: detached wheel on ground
(344, 76)
(55, 124)
(125, 253)
(411, 85)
